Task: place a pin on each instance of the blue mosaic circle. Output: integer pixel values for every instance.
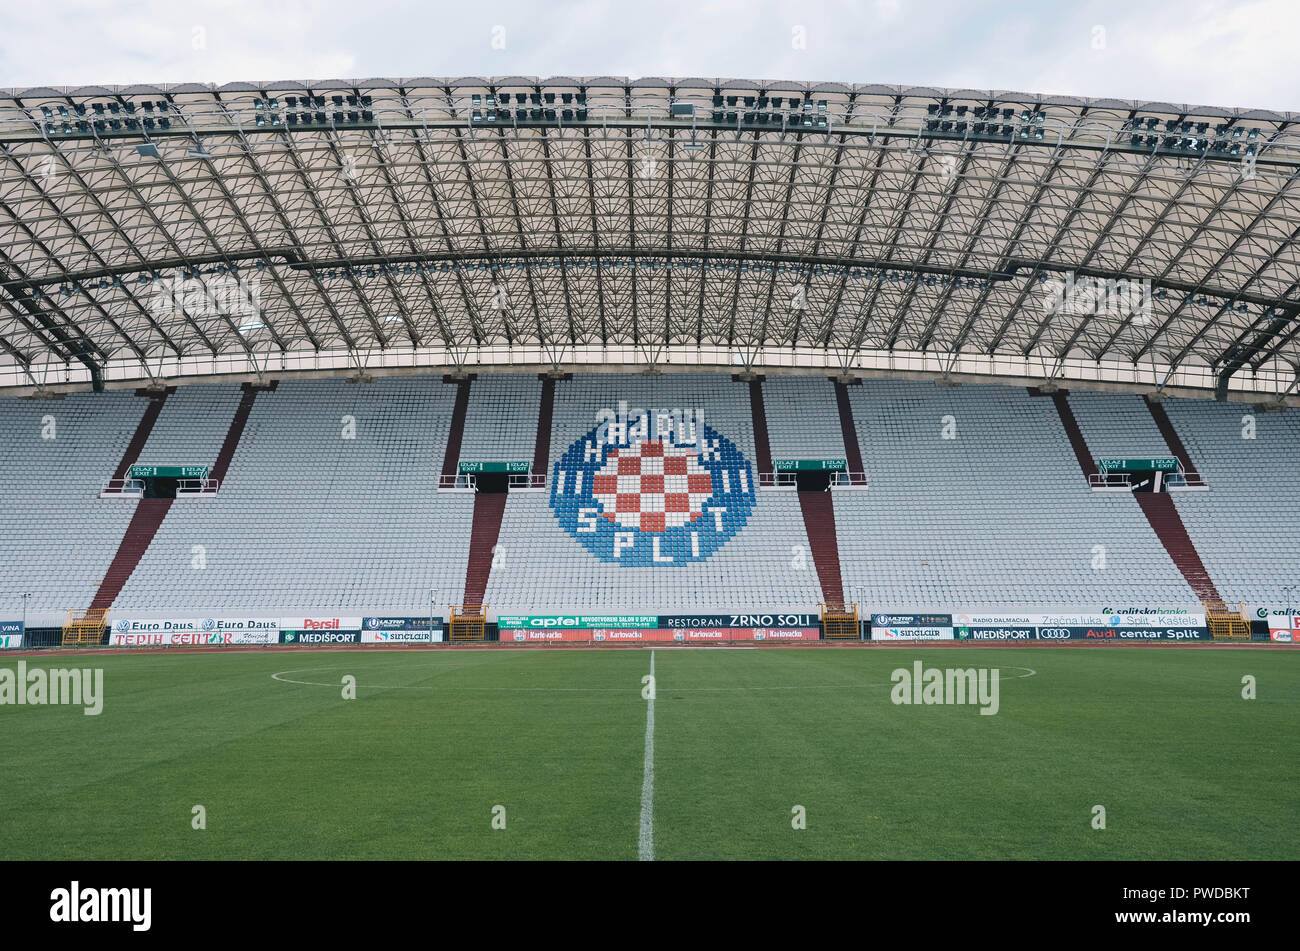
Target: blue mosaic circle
(656, 490)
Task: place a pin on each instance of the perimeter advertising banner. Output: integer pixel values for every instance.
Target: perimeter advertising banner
(1282, 624)
(593, 634)
(1081, 633)
(320, 637)
(179, 624)
(193, 632)
(742, 627)
(751, 621)
(1120, 634)
(320, 623)
(11, 635)
(244, 631)
(192, 638)
(1086, 617)
(716, 635)
(1108, 624)
(155, 625)
(992, 632)
(399, 630)
(911, 627)
(318, 630)
(234, 631)
(401, 637)
(542, 622)
(641, 629)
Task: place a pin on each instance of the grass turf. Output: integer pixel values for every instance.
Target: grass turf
(1185, 768)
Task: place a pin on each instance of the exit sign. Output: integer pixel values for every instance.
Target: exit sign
(168, 472)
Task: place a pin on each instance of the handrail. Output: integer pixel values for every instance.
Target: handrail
(1123, 480)
(128, 487)
(458, 480)
(204, 486)
(839, 479)
(1109, 480)
(527, 480)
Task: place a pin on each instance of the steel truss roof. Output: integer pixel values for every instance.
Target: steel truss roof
(162, 232)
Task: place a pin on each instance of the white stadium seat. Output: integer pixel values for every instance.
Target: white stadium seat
(1000, 514)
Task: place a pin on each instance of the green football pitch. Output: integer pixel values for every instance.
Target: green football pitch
(441, 747)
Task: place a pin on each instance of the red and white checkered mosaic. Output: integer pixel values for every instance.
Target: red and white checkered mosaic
(652, 485)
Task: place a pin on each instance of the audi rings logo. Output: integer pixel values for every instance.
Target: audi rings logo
(1054, 633)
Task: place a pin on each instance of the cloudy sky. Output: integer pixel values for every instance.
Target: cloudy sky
(1202, 52)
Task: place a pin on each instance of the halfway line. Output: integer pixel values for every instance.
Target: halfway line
(645, 846)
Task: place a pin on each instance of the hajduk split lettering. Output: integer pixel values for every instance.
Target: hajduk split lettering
(655, 489)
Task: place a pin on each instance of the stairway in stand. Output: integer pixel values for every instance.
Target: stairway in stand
(1172, 439)
(87, 626)
(489, 507)
(1060, 398)
(456, 432)
(156, 400)
(545, 413)
(819, 521)
(1168, 526)
(853, 453)
(149, 515)
(1157, 506)
(236, 430)
(758, 413)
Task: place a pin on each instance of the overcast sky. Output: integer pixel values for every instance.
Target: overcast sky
(1201, 52)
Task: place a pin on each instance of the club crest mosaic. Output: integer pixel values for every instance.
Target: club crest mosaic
(657, 488)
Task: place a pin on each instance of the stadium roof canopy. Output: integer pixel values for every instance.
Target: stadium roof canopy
(152, 233)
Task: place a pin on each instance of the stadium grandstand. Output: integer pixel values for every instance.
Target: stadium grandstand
(487, 350)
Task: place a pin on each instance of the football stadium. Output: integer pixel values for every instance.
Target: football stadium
(599, 468)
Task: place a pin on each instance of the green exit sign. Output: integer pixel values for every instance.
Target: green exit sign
(811, 465)
(1167, 464)
(168, 472)
(495, 466)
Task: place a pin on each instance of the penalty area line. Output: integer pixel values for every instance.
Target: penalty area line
(645, 846)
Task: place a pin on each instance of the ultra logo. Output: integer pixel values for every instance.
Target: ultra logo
(661, 491)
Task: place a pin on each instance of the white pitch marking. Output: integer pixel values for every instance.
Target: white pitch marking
(312, 683)
(279, 677)
(645, 846)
